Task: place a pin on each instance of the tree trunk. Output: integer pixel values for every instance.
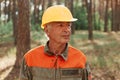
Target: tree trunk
(9, 11)
(14, 20)
(69, 4)
(50, 3)
(106, 17)
(115, 16)
(101, 12)
(114, 13)
(0, 10)
(89, 12)
(43, 5)
(5, 11)
(23, 37)
(58, 2)
(94, 15)
(112, 16)
(36, 11)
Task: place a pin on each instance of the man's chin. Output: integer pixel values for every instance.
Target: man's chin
(65, 41)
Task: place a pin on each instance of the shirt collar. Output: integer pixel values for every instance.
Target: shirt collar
(64, 54)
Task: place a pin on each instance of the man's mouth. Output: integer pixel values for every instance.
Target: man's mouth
(66, 36)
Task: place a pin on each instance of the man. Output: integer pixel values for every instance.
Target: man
(56, 60)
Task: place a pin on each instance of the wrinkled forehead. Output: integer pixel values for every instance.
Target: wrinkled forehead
(57, 23)
(52, 24)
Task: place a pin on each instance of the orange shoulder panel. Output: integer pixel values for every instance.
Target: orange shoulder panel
(76, 56)
(33, 56)
(37, 58)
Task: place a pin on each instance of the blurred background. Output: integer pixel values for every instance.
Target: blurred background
(96, 33)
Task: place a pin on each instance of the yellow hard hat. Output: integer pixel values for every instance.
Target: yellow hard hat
(57, 13)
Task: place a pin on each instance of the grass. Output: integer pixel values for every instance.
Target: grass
(102, 53)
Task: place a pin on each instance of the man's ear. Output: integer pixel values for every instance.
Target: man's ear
(46, 29)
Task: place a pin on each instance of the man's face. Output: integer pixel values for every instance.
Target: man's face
(59, 32)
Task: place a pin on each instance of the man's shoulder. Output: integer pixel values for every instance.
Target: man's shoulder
(35, 51)
(75, 51)
(77, 55)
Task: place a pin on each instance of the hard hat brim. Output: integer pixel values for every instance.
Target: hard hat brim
(72, 20)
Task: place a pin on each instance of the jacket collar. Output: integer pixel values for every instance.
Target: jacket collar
(64, 54)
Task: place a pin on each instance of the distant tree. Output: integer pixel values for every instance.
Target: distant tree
(69, 4)
(43, 4)
(106, 17)
(0, 9)
(89, 12)
(50, 2)
(101, 12)
(116, 15)
(36, 11)
(58, 1)
(14, 19)
(112, 16)
(5, 9)
(9, 11)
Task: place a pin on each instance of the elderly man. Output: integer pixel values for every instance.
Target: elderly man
(56, 60)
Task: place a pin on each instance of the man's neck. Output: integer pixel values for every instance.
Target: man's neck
(56, 48)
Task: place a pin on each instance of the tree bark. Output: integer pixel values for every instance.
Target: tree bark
(9, 11)
(106, 17)
(5, 10)
(50, 3)
(58, 2)
(23, 37)
(0, 10)
(14, 20)
(112, 16)
(89, 12)
(36, 11)
(43, 5)
(115, 17)
(69, 4)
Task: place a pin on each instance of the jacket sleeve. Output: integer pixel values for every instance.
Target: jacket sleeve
(87, 73)
(25, 71)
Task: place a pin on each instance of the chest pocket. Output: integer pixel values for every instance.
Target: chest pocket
(71, 74)
(56, 74)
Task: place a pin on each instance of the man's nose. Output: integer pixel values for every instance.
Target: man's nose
(67, 29)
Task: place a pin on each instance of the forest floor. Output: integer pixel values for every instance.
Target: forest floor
(103, 54)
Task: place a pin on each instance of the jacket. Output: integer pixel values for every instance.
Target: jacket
(41, 64)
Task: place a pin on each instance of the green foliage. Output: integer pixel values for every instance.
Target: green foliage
(35, 27)
(33, 18)
(6, 28)
(97, 22)
(37, 34)
(80, 14)
(82, 24)
(6, 32)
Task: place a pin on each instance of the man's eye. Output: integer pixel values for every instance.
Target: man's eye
(69, 24)
(60, 25)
